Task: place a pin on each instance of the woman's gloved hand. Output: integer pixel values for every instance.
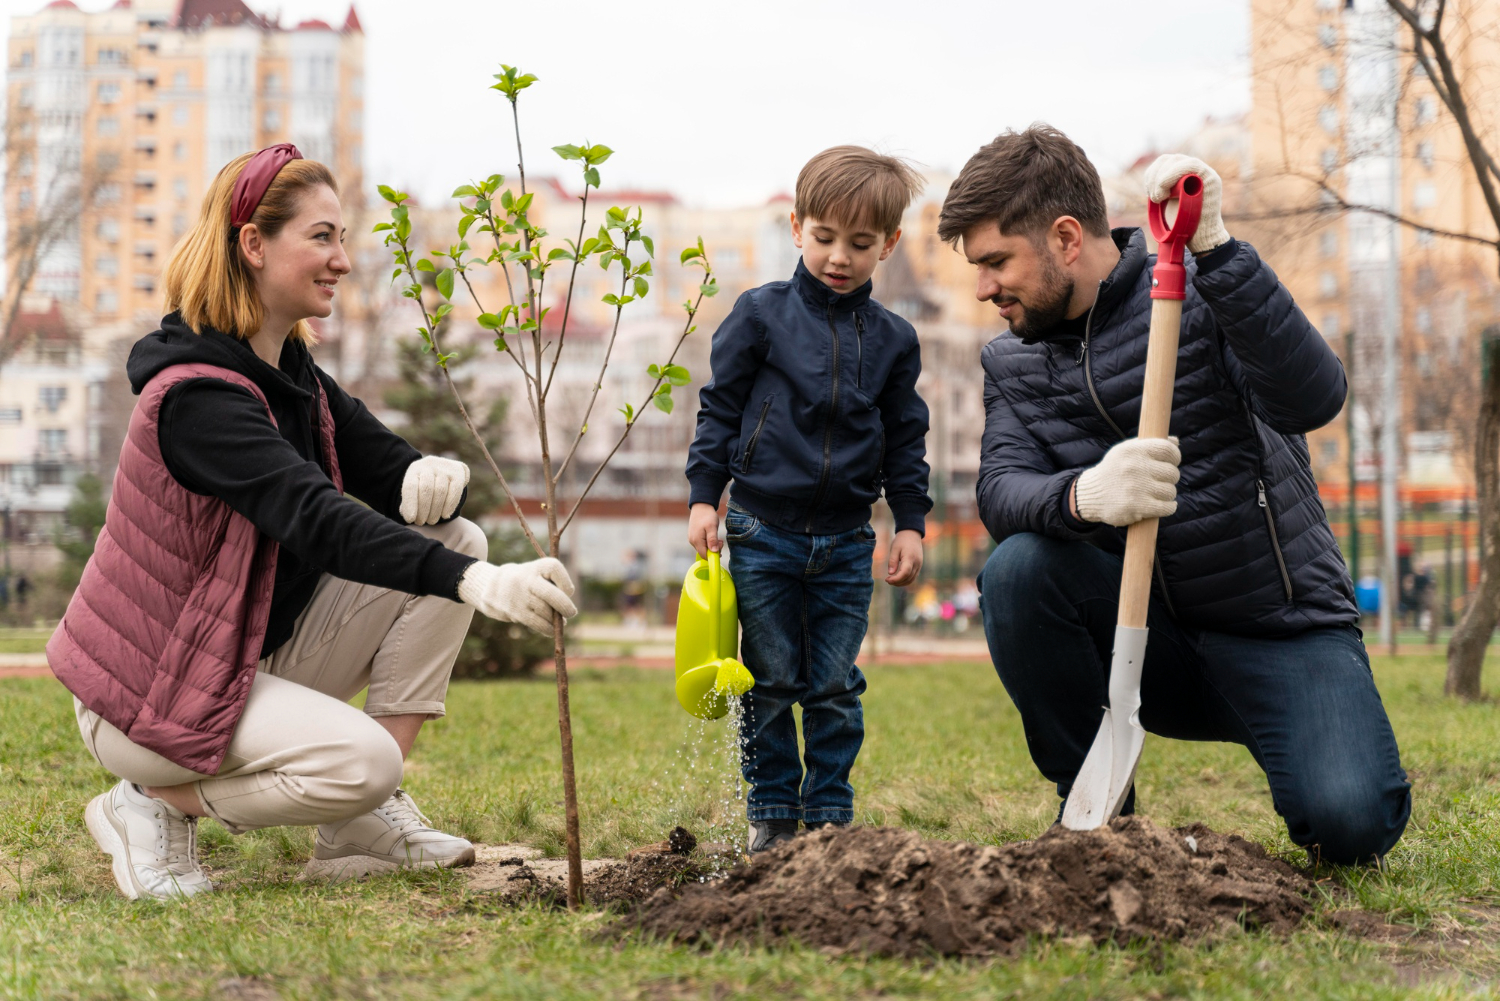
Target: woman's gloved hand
(1166, 171)
(1136, 480)
(432, 488)
(527, 593)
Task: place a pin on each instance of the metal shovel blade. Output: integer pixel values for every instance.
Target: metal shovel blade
(1100, 788)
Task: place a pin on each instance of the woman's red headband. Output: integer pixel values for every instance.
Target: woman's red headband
(256, 178)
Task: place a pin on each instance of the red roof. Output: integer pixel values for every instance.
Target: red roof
(351, 22)
(778, 198)
(121, 5)
(64, 4)
(313, 24)
(201, 13)
(48, 326)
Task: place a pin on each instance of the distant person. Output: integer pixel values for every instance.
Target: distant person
(812, 410)
(633, 591)
(4, 592)
(23, 588)
(1253, 637)
(236, 597)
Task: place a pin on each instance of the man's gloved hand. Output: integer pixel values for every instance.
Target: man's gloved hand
(527, 593)
(1136, 480)
(432, 488)
(1166, 171)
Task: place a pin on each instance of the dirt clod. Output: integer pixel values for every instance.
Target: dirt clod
(890, 892)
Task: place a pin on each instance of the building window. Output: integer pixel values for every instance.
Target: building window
(146, 251)
(112, 57)
(109, 92)
(181, 114)
(1328, 243)
(179, 150)
(1424, 195)
(1328, 36)
(180, 189)
(53, 441)
(1424, 237)
(1423, 317)
(1328, 77)
(23, 165)
(1328, 285)
(26, 59)
(106, 301)
(108, 194)
(179, 225)
(271, 120)
(1330, 159)
(1426, 110)
(24, 99)
(1330, 451)
(106, 266)
(10, 415)
(180, 80)
(145, 283)
(23, 198)
(1425, 154)
(273, 82)
(1328, 119)
(52, 397)
(1332, 325)
(108, 230)
(107, 125)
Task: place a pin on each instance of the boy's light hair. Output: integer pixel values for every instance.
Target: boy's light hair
(857, 186)
(206, 278)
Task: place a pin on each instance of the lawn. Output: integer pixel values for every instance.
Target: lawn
(944, 755)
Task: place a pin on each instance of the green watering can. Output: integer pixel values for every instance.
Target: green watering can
(708, 676)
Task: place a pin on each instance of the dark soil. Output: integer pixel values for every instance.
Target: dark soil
(890, 892)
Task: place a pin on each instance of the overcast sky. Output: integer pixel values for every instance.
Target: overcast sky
(722, 103)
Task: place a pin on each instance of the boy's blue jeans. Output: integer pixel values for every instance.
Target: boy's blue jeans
(804, 604)
(1304, 705)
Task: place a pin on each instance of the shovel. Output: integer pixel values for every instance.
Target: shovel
(708, 675)
(1100, 788)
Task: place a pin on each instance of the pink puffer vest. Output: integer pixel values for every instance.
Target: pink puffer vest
(163, 634)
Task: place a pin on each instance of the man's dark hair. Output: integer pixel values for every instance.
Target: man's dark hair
(1024, 181)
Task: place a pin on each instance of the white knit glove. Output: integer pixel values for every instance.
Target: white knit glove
(1136, 480)
(527, 593)
(1166, 171)
(432, 488)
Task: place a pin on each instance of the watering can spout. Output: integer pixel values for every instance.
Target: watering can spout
(708, 675)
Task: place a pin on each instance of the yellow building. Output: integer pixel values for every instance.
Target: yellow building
(135, 108)
(1342, 115)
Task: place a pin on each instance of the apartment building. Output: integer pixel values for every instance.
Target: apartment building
(1341, 113)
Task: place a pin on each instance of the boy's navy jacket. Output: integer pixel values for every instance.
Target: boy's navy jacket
(812, 409)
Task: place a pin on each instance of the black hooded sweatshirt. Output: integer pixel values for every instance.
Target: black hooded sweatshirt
(217, 440)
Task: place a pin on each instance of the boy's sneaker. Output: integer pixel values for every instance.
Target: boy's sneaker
(154, 845)
(395, 835)
(765, 833)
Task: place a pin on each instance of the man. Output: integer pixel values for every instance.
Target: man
(1252, 619)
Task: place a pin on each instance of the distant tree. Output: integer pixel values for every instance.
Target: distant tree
(85, 516)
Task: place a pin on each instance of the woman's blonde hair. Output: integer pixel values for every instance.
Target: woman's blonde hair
(207, 279)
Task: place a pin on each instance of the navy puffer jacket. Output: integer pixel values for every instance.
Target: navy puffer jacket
(1249, 550)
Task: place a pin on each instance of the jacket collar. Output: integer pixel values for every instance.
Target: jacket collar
(821, 298)
(1122, 280)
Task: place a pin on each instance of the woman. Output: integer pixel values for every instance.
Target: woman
(236, 598)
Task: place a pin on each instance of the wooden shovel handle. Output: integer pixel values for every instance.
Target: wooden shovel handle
(1156, 414)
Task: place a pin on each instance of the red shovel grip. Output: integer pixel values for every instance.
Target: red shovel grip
(1169, 277)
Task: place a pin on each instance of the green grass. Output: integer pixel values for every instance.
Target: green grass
(24, 640)
(944, 755)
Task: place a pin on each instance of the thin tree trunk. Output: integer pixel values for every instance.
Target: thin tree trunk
(1471, 638)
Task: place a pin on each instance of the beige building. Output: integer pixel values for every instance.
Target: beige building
(138, 106)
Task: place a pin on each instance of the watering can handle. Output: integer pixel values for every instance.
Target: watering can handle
(715, 602)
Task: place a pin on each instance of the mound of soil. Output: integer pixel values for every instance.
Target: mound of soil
(890, 892)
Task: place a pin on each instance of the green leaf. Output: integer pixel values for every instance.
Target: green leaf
(650, 247)
(425, 265)
(709, 289)
(387, 193)
(569, 152)
(629, 413)
(507, 199)
(663, 401)
(677, 375)
(597, 154)
(616, 214)
(500, 344)
(381, 227)
(489, 321)
(654, 371)
(610, 299)
(690, 253)
(465, 223)
(443, 310)
(591, 177)
(464, 191)
(559, 254)
(482, 206)
(641, 287)
(445, 282)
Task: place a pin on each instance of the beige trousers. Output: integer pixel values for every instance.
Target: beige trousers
(301, 754)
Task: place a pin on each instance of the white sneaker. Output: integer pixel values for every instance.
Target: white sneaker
(395, 835)
(154, 845)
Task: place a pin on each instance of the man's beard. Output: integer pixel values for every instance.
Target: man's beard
(1051, 305)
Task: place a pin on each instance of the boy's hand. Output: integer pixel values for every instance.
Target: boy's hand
(703, 530)
(905, 559)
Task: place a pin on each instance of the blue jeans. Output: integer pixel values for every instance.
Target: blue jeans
(1304, 705)
(804, 605)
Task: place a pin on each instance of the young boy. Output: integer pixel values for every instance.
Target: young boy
(811, 410)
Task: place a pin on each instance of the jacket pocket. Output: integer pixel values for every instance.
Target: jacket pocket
(760, 424)
(1265, 506)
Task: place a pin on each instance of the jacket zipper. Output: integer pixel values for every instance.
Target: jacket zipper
(1260, 496)
(833, 409)
(765, 408)
(859, 345)
(1088, 380)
